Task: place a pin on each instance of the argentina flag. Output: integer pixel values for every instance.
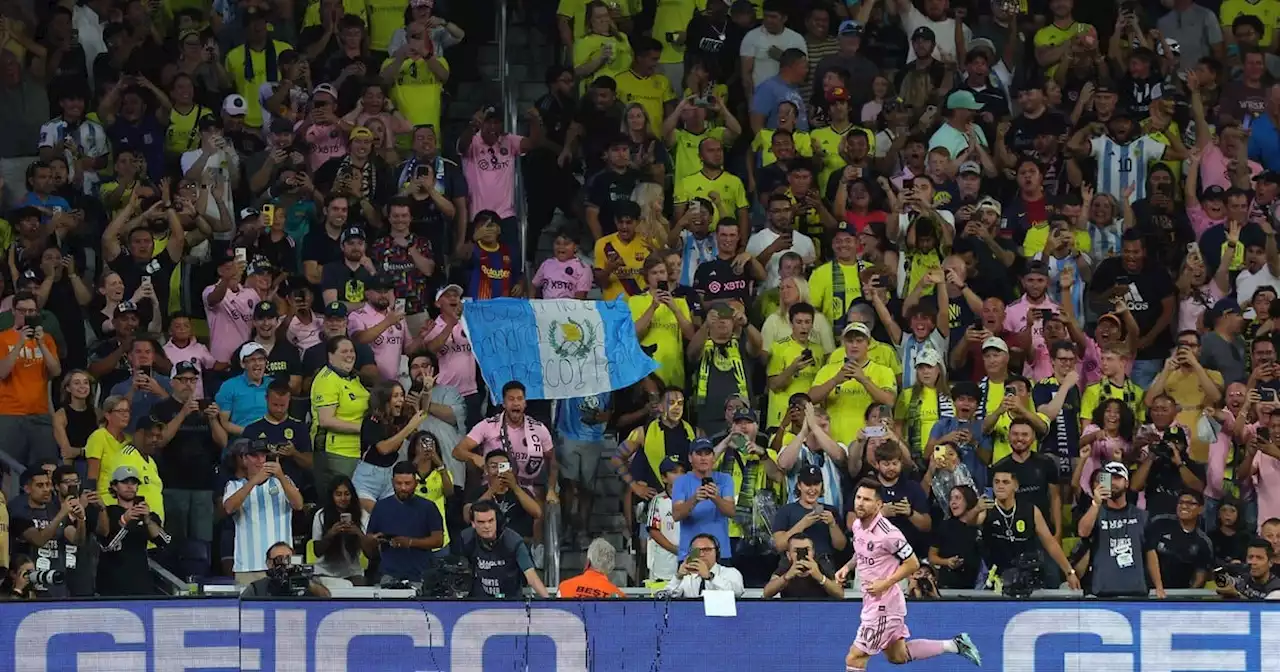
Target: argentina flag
(559, 348)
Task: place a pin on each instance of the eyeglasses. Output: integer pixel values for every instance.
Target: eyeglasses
(702, 549)
(119, 409)
(1184, 344)
(187, 379)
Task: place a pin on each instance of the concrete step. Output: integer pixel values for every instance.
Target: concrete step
(608, 522)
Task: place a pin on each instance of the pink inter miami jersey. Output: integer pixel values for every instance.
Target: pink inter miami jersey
(880, 549)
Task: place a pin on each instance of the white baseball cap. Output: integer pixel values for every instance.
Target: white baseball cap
(995, 342)
(929, 357)
(251, 348)
(235, 105)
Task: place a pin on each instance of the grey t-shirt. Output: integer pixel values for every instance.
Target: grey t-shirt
(1225, 357)
(56, 554)
(1195, 31)
(1119, 544)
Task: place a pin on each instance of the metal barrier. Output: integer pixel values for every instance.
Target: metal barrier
(10, 485)
(551, 546)
(168, 581)
(510, 113)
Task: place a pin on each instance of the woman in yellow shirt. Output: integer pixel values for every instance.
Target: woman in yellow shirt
(107, 442)
(434, 482)
(338, 405)
(603, 51)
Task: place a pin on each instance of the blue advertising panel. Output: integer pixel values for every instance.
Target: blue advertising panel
(615, 636)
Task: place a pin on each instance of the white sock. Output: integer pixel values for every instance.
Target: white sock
(950, 646)
(848, 668)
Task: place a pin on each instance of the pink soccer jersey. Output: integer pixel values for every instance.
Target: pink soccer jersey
(880, 549)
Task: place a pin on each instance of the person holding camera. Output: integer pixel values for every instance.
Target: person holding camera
(809, 518)
(30, 362)
(286, 437)
(124, 529)
(383, 433)
(261, 504)
(1166, 471)
(1192, 386)
(148, 386)
(702, 571)
(404, 529)
(803, 572)
(48, 530)
(1116, 530)
(283, 578)
(1016, 533)
(703, 501)
(519, 509)
(1261, 582)
(16, 583)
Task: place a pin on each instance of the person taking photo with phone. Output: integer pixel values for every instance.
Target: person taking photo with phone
(30, 362)
(1116, 531)
(803, 573)
(1192, 386)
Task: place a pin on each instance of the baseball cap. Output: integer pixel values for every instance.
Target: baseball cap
(856, 328)
(1036, 267)
(448, 288)
(249, 213)
(1269, 176)
(259, 265)
(325, 89)
(845, 227)
(961, 100)
(995, 342)
(251, 348)
(125, 472)
(379, 283)
(981, 43)
(281, 125)
(1222, 307)
(263, 311)
(247, 447)
(744, 414)
(742, 6)
(1213, 193)
(360, 133)
(929, 357)
(924, 33)
(1117, 469)
(989, 203)
(810, 474)
(208, 123)
(1111, 316)
(667, 465)
(850, 27)
(185, 366)
(350, 233)
(235, 105)
(126, 307)
(702, 445)
(970, 168)
(838, 93)
(336, 309)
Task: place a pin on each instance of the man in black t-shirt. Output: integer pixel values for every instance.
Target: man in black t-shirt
(287, 438)
(1036, 120)
(614, 183)
(596, 124)
(140, 260)
(1150, 294)
(345, 279)
(284, 362)
(1037, 473)
(1184, 550)
(518, 508)
(730, 275)
(323, 245)
(188, 465)
(802, 573)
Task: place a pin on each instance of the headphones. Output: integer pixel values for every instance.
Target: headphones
(715, 543)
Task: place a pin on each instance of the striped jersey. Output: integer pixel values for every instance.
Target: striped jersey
(1120, 166)
(264, 519)
(90, 139)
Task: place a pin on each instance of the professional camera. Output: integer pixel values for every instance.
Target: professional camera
(41, 579)
(1023, 576)
(289, 580)
(448, 579)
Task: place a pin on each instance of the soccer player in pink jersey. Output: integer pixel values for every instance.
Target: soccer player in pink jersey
(884, 559)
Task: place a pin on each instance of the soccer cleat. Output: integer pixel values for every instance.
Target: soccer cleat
(965, 647)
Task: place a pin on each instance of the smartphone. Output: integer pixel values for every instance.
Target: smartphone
(73, 491)
(242, 255)
(708, 481)
(268, 214)
(664, 286)
(146, 280)
(807, 354)
(504, 467)
(1264, 434)
(421, 170)
(204, 404)
(344, 518)
(875, 432)
(802, 554)
(1267, 394)
(939, 452)
(399, 305)
(1105, 482)
(1010, 392)
(139, 500)
(989, 493)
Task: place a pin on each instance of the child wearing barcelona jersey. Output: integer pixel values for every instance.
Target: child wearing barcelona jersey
(883, 558)
(494, 271)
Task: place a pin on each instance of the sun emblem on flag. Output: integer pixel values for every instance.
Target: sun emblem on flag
(571, 339)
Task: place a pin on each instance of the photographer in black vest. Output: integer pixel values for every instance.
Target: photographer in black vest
(499, 557)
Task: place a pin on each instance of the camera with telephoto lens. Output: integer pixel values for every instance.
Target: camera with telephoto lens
(1023, 576)
(41, 579)
(289, 580)
(448, 579)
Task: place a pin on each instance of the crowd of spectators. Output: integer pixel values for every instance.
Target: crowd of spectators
(1016, 261)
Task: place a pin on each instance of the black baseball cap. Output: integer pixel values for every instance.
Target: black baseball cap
(185, 366)
(810, 475)
(350, 233)
(336, 309)
(265, 310)
(924, 33)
